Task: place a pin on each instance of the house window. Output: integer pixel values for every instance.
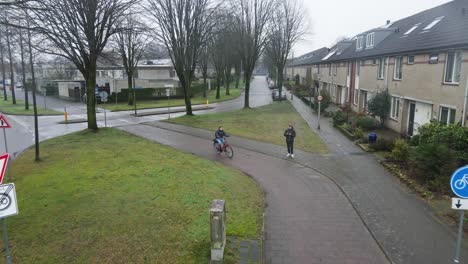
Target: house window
(447, 115)
(358, 68)
(374, 61)
(329, 69)
(395, 108)
(359, 43)
(398, 68)
(318, 68)
(433, 58)
(381, 68)
(453, 67)
(410, 60)
(365, 101)
(356, 96)
(433, 23)
(412, 29)
(348, 69)
(335, 69)
(370, 40)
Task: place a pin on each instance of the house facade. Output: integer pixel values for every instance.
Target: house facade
(421, 60)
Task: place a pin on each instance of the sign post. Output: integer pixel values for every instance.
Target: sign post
(8, 204)
(459, 186)
(319, 98)
(104, 96)
(4, 124)
(44, 91)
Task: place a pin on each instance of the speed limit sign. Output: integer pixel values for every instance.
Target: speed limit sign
(319, 98)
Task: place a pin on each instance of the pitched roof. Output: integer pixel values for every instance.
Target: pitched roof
(450, 32)
(310, 58)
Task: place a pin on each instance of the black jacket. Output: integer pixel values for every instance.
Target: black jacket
(220, 134)
(290, 134)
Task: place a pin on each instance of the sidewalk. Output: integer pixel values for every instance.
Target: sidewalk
(307, 217)
(404, 224)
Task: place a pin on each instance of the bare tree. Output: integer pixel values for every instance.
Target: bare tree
(287, 28)
(23, 68)
(8, 33)
(2, 60)
(182, 25)
(252, 18)
(79, 30)
(131, 42)
(204, 62)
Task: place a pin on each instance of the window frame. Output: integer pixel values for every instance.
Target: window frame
(398, 61)
(408, 59)
(360, 43)
(335, 69)
(329, 69)
(433, 61)
(369, 37)
(451, 115)
(356, 97)
(381, 68)
(395, 108)
(457, 63)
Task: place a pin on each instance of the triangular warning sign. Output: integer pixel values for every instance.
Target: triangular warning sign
(3, 164)
(3, 122)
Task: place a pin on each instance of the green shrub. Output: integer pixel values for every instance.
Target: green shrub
(382, 144)
(339, 118)
(358, 133)
(400, 151)
(434, 163)
(366, 123)
(453, 136)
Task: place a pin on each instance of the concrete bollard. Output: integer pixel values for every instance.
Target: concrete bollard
(218, 229)
(207, 104)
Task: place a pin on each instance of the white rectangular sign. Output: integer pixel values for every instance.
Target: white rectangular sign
(8, 204)
(459, 204)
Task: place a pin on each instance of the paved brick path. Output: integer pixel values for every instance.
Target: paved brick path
(404, 225)
(308, 219)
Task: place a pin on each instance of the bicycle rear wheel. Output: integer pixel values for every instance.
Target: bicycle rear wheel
(229, 152)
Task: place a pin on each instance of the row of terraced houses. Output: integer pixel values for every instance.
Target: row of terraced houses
(421, 60)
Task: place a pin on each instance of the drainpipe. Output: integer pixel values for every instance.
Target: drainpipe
(386, 75)
(465, 103)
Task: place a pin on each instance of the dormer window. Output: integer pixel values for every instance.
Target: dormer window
(370, 40)
(359, 42)
(433, 23)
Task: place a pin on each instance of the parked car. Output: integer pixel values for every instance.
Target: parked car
(276, 97)
(271, 84)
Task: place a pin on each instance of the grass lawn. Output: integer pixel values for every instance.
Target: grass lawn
(110, 197)
(234, 93)
(7, 107)
(265, 124)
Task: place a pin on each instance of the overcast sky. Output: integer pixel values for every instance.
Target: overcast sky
(331, 19)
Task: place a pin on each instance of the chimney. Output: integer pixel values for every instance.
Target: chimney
(388, 22)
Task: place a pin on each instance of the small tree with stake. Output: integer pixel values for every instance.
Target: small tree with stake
(379, 105)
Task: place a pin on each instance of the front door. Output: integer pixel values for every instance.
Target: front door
(412, 110)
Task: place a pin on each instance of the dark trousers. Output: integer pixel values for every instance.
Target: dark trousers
(290, 146)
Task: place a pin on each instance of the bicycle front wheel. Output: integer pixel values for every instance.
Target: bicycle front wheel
(229, 152)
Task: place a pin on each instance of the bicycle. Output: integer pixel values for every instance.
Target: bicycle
(461, 183)
(226, 148)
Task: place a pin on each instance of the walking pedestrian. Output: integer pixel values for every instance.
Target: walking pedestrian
(290, 134)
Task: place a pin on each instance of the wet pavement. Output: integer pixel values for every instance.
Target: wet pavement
(307, 218)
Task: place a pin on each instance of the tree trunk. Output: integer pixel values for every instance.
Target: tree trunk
(36, 122)
(227, 77)
(23, 67)
(12, 77)
(205, 86)
(247, 91)
(5, 95)
(130, 88)
(218, 87)
(188, 103)
(280, 81)
(91, 95)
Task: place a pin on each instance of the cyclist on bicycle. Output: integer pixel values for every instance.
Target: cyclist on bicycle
(219, 137)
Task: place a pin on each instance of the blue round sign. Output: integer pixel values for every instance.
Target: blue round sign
(459, 182)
